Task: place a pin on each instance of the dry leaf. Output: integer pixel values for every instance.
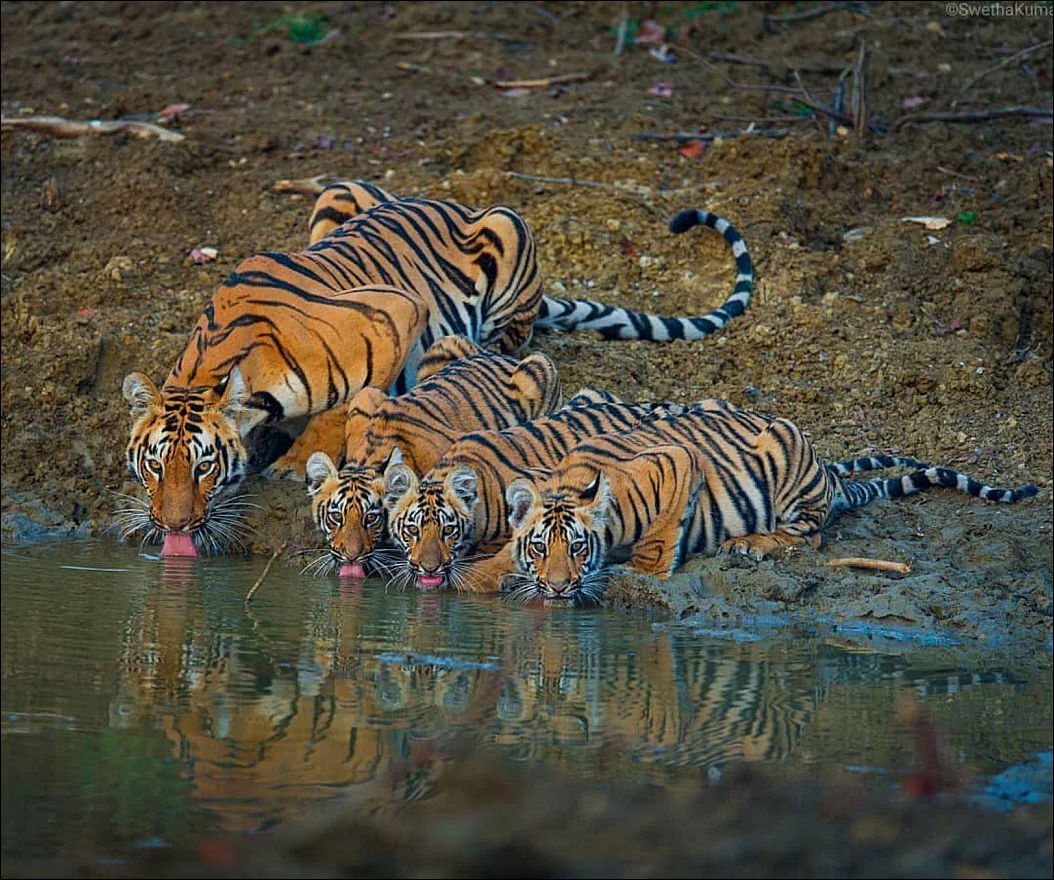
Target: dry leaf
(931, 223)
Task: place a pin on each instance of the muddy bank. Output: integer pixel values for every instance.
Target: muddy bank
(870, 332)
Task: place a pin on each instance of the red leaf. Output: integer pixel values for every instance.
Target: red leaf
(651, 33)
(692, 149)
(628, 248)
(172, 112)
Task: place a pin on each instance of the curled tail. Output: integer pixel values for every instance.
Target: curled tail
(872, 463)
(615, 323)
(850, 494)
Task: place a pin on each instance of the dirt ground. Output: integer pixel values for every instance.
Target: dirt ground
(870, 332)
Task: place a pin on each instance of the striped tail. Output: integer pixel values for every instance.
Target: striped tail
(872, 463)
(615, 323)
(850, 495)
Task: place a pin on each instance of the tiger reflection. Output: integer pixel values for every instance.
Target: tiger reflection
(263, 728)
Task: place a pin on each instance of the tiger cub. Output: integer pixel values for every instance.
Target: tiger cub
(712, 478)
(437, 523)
(466, 389)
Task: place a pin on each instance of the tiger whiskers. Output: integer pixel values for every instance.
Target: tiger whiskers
(591, 589)
(460, 574)
(323, 564)
(523, 588)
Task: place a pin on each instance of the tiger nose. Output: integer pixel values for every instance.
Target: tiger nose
(559, 587)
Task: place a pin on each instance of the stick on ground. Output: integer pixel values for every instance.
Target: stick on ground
(266, 571)
(973, 116)
(540, 83)
(56, 126)
(875, 564)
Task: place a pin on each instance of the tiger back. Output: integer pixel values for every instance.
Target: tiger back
(457, 509)
(712, 478)
(467, 389)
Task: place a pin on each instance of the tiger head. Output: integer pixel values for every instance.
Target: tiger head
(347, 505)
(431, 521)
(558, 543)
(187, 450)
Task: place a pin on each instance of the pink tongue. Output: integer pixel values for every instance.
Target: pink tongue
(352, 570)
(429, 581)
(178, 544)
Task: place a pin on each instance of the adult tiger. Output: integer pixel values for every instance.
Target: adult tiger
(440, 521)
(292, 335)
(712, 478)
(474, 391)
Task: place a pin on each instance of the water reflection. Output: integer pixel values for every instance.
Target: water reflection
(319, 689)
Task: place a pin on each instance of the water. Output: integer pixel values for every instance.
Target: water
(143, 701)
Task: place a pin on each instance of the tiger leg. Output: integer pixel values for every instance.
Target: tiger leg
(801, 493)
(759, 546)
(666, 482)
(338, 202)
(505, 269)
(488, 575)
(324, 432)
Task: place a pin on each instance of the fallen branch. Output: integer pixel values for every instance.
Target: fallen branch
(56, 126)
(266, 571)
(795, 17)
(973, 116)
(540, 83)
(1006, 62)
(769, 64)
(875, 564)
(775, 133)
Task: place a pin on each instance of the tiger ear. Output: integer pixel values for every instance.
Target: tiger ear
(464, 483)
(320, 468)
(399, 480)
(142, 394)
(232, 393)
(536, 384)
(521, 497)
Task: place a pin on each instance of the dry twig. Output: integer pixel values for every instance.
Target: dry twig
(795, 17)
(1006, 62)
(875, 564)
(266, 571)
(973, 116)
(56, 126)
(540, 83)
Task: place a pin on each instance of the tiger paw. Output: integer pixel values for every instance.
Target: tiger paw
(757, 547)
(286, 468)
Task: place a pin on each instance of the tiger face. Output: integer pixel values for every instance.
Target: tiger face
(431, 522)
(558, 542)
(186, 449)
(347, 505)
